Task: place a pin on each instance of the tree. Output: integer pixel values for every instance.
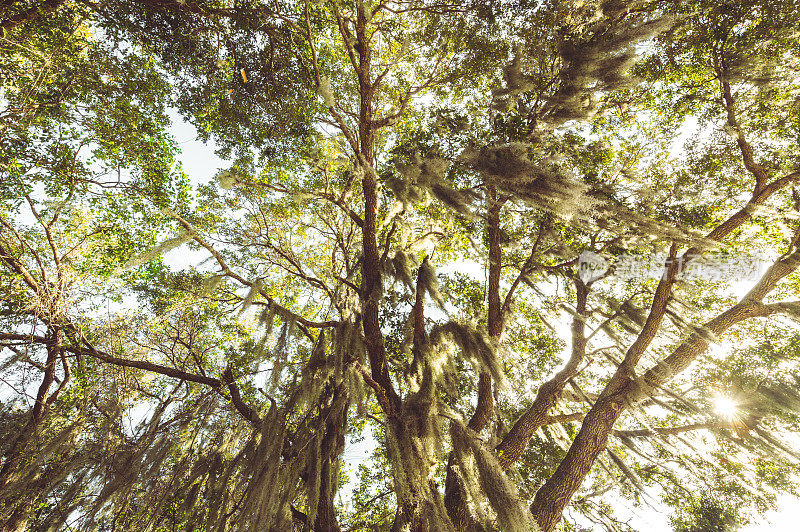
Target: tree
(370, 145)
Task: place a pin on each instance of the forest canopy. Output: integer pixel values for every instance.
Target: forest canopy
(492, 265)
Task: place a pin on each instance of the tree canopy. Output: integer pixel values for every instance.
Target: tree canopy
(536, 261)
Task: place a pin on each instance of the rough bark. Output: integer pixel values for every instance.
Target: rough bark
(371, 287)
(420, 506)
(624, 389)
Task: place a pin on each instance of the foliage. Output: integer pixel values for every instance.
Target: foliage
(392, 263)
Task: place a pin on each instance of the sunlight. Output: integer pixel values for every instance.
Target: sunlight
(725, 407)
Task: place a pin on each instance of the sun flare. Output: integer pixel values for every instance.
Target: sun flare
(726, 407)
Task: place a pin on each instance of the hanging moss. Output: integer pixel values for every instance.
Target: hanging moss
(474, 345)
(511, 510)
(429, 282)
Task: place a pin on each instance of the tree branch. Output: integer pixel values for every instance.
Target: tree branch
(668, 431)
(29, 15)
(514, 443)
(758, 171)
(236, 398)
(233, 275)
(623, 390)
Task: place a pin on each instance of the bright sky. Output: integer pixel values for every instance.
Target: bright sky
(201, 165)
(785, 519)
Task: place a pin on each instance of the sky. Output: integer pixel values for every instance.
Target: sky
(201, 165)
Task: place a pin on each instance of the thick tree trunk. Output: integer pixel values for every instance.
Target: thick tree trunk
(332, 447)
(371, 280)
(551, 499)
